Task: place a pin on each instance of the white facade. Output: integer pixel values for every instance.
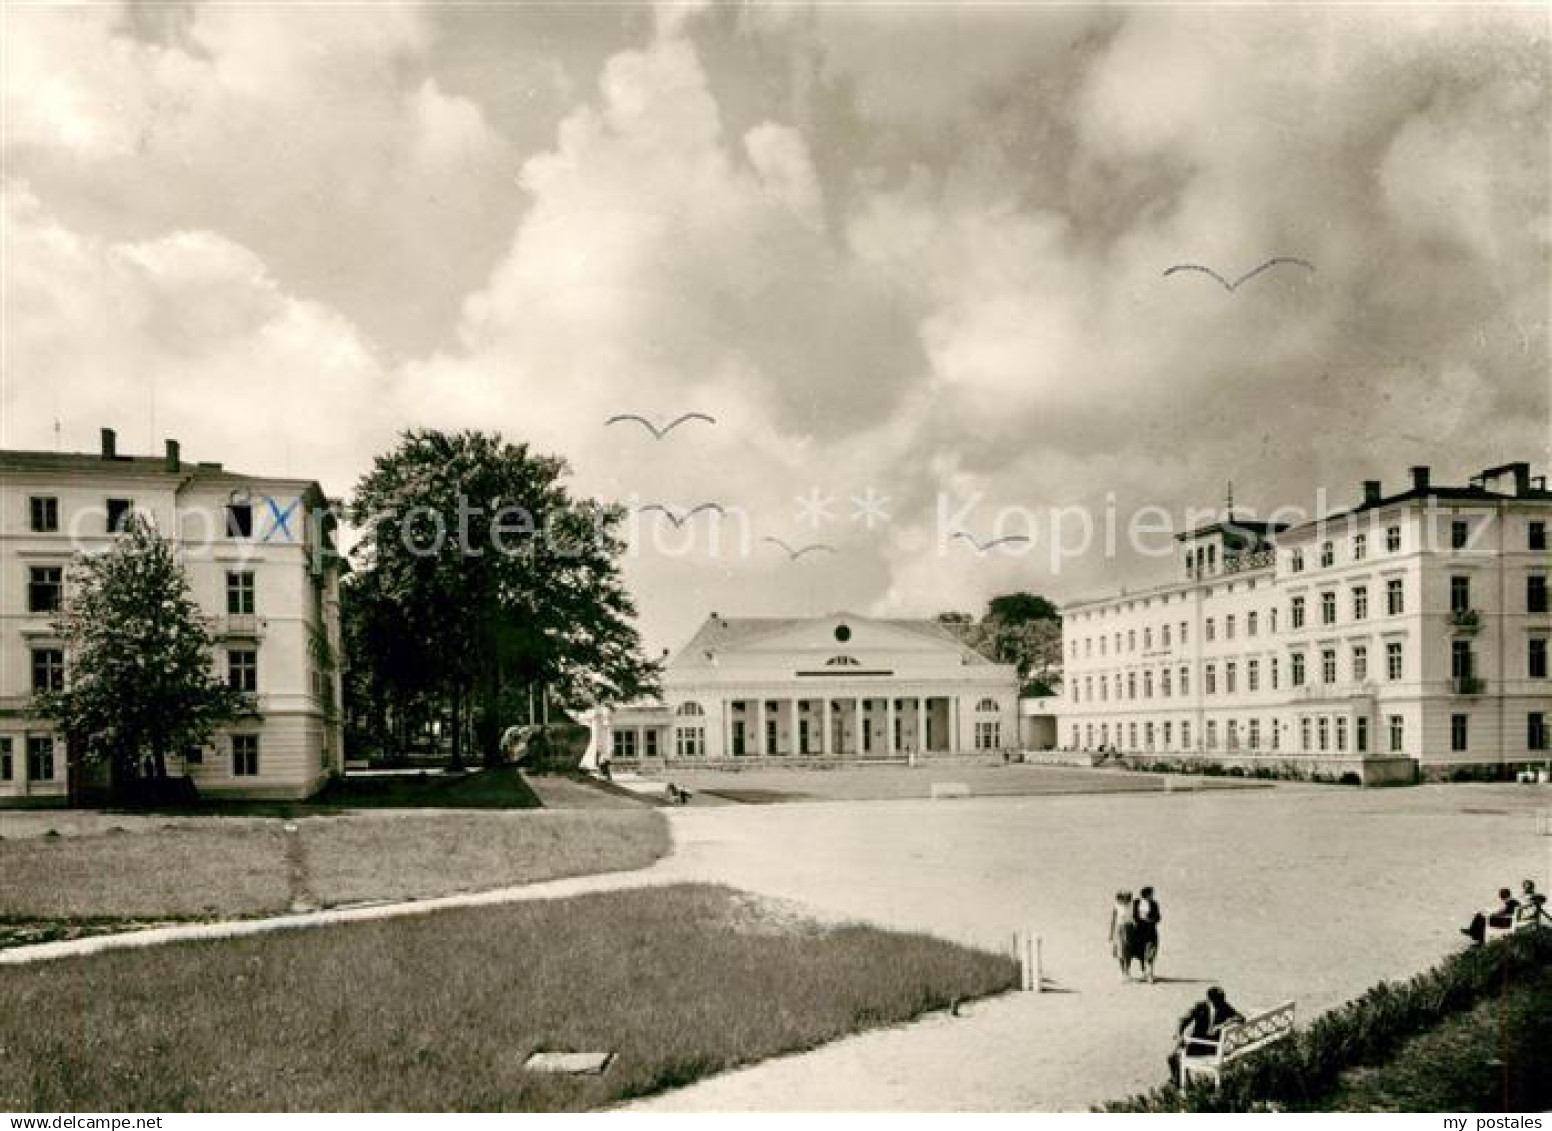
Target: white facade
(837, 687)
(1413, 626)
(270, 594)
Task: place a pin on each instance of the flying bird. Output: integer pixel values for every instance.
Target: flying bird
(659, 433)
(681, 519)
(1251, 274)
(982, 547)
(795, 554)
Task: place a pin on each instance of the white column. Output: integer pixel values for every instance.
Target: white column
(889, 725)
(759, 727)
(859, 724)
(953, 724)
(824, 734)
(921, 724)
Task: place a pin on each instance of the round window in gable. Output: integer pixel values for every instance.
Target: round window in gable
(842, 633)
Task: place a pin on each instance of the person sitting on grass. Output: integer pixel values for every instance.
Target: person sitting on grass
(1204, 1022)
(678, 796)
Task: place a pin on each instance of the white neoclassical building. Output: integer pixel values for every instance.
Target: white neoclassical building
(1412, 628)
(259, 564)
(839, 687)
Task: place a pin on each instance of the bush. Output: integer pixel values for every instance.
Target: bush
(1349, 778)
(1299, 1071)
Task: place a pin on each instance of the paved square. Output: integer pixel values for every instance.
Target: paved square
(1304, 892)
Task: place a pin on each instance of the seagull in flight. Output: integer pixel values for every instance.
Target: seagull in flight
(1248, 275)
(982, 547)
(680, 519)
(659, 433)
(795, 554)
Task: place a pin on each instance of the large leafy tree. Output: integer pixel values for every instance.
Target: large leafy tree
(139, 681)
(1022, 629)
(489, 579)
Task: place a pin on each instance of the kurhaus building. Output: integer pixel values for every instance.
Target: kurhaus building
(839, 687)
(259, 565)
(1411, 629)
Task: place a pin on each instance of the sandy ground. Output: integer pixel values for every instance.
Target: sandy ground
(1300, 892)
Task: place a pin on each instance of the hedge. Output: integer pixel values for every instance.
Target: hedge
(1296, 1073)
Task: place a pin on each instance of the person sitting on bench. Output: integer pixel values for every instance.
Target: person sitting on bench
(1502, 918)
(1530, 897)
(678, 796)
(1204, 1022)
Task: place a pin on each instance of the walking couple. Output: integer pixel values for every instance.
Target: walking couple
(1134, 931)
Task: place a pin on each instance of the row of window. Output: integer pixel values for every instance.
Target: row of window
(1460, 539)
(1536, 601)
(46, 590)
(690, 740)
(1360, 550)
(1318, 734)
(41, 765)
(1462, 667)
(43, 516)
(1238, 734)
(40, 758)
(48, 669)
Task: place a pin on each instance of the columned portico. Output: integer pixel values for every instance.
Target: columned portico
(841, 688)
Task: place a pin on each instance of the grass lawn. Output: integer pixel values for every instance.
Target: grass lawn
(441, 1012)
(1495, 1057)
(501, 788)
(420, 856)
(176, 871)
(222, 869)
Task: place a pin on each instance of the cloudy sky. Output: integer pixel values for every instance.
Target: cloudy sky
(910, 257)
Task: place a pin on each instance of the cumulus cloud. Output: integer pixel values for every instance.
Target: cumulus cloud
(913, 253)
(184, 336)
(308, 133)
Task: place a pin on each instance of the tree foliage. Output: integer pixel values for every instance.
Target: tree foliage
(139, 679)
(482, 577)
(1022, 629)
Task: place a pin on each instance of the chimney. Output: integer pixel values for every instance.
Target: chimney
(1521, 478)
(173, 460)
(110, 443)
(1420, 479)
(1371, 492)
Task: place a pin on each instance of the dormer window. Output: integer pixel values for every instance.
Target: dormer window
(239, 520)
(119, 511)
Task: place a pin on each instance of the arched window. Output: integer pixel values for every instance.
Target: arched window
(987, 706)
(842, 662)
(690, 737)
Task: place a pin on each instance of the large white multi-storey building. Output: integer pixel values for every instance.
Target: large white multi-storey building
(832, 688)
(260, 565)
(1412, 629)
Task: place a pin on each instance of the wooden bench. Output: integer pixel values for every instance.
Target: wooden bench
(1528, 917)
(1209, 1056)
